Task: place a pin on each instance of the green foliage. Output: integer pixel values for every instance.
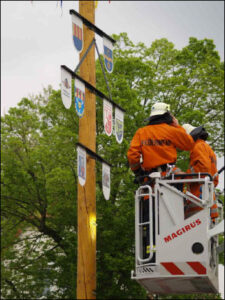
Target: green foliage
(39, 180)
(39, 193)
(142, 76)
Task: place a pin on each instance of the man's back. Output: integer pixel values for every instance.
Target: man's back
(157, 144)
(203, 159)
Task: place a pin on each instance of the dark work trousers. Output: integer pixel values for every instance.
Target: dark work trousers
(144, 217)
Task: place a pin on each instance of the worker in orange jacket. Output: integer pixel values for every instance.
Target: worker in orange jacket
(157, 142)
(151, 149)
(202, 159)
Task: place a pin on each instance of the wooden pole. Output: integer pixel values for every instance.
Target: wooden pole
(86, 208)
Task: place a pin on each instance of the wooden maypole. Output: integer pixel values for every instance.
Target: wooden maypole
(86, 261)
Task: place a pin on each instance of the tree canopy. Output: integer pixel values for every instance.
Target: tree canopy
(39, 172)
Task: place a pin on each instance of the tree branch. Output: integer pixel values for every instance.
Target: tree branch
(22, 267)
(10, 283)
(55, 236)
(21, 240)
(22, 217)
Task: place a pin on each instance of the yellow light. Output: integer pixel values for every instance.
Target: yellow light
(92, 224)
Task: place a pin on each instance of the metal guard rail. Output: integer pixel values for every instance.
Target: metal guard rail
(139, 178)
(139, 224)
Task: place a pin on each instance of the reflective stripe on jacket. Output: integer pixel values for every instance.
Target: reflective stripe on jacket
(157, 144)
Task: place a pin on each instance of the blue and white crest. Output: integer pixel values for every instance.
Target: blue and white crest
(106, 180)
(119, 116)
(108, 54)
(79, 92)
(79, 102)
(77, 27)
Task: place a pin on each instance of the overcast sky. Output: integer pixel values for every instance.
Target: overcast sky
(36, 38)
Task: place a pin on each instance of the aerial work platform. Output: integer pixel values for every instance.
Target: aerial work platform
(174, 254)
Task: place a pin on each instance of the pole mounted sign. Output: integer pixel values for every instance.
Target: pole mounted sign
(107, 117)
(106, 180)
(66, 88)
(108, 105)
(77, 27)
(92, 26)
(83, 29)
(79, 94)
(108, 54)
(81, 165)
(119, 125)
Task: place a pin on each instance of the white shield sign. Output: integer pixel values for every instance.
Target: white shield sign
(66, 88)
(79, 93)
(108, 54)
(107, 117)
(119, 116)
(81, 165)
(77, 28)
(106, 180)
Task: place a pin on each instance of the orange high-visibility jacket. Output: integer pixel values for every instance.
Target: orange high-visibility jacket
(157, 144)
(202, 159)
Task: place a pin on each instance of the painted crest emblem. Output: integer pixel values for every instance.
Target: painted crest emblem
(119, 129)
(81, 165)
(66, 94)
(107, 117)
(106, 180)
(119, 115)
(66, 83)
(108, 54)
(79, 91)
(77, 28)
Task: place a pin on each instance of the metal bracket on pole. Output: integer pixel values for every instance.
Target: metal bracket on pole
(93, 154)
(85, 54)
(91, 26)
(91, 87)
(103, 71)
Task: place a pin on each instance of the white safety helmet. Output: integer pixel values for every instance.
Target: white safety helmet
(189, 128)
(159, 108)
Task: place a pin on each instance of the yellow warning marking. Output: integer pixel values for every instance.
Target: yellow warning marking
(148, 248)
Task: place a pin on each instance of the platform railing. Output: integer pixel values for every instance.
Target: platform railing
(145, 190)
(139, 224)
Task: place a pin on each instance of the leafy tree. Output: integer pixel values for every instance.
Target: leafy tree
(39, 190)
(39, 180)
(141, 77)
